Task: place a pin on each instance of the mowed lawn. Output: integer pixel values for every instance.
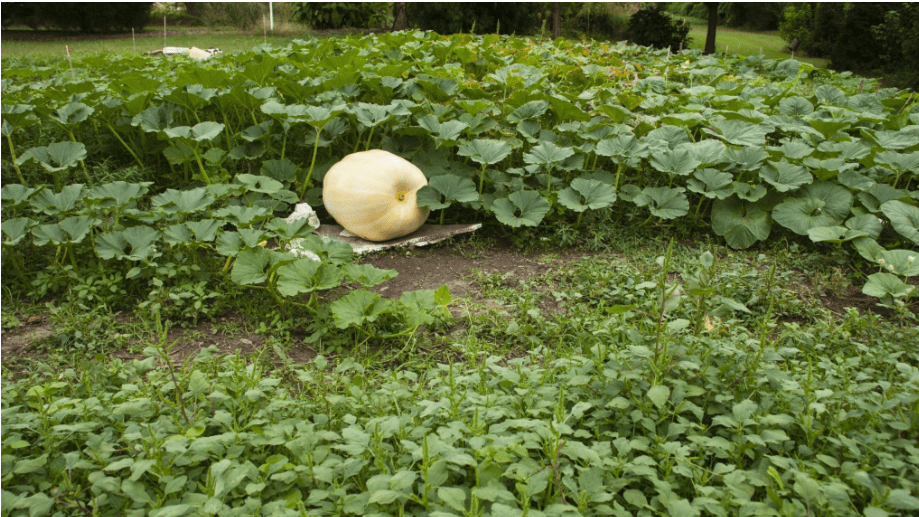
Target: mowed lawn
(747, 43)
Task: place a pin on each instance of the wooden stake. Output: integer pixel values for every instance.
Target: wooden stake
(164, 32)
(134, 41)
(72, 75)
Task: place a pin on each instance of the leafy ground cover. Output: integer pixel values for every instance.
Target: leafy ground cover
(670, 352)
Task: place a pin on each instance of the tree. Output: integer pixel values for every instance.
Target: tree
(556, 20)
(712, 27)
(400, 23)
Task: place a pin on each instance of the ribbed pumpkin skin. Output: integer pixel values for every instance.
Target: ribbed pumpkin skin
(372, 195)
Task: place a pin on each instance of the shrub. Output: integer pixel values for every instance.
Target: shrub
(484, 17)
(856, 48)
(175, 18)
(82, 16)
(651, 26)
(758, 16)
(336, 15)
(798, 23)
(600, 21)
(242, 15)
(827, 25)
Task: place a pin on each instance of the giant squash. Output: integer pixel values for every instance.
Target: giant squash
(372, 195)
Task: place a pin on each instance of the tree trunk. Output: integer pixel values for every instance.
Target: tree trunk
(556, 20)
(712, 27)
(401, 18)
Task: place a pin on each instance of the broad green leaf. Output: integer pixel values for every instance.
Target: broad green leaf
(280, 170)
(547, 154)
(244, 216)
(836, 234)
(331, 250)
(134, 244)
(900, 262)
(418, 307)
(675, 162)
(707, 152)
(739, 132)
(795, 106)
(828, 169)
(867, 223)
(77, 227)
(531, 206)
(668, 137)
(306, 275)
(250, 266)
(785, 176)
(177, 234)
(587, 193)
(659, 395)
(183, 201)
(287, 230)
(16, 196)
(73, 113)
(711, 183)
(664, 202)
(891, 140)
(532, 109)
(204, 230)
(206, 131)
(357, 308)
(48, 234)
(485, 151)
(16, 229)
(801, 214)
(443, 189)
(747, 158)
(904, 162)
(828, 128)
(119, 193)
(367, 275)
(741, 223)
(263, 184)
(621, 147)
(904, 218)
(55, 157)
(453, 497)
(883, 285)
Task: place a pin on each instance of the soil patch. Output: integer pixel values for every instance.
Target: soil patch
(430, 268)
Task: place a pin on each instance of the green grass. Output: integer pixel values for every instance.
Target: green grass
(746, 43)
(227, 40)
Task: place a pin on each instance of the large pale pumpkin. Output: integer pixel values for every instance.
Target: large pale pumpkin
(372, 195)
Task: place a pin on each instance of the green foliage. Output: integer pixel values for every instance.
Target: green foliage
(602, 21)
(651, 26)
(521, 133)
(481, 17)
(759, 16)
(798, 21)
(680, 382)
(337, 15)
(242, 15)
(82, 16)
